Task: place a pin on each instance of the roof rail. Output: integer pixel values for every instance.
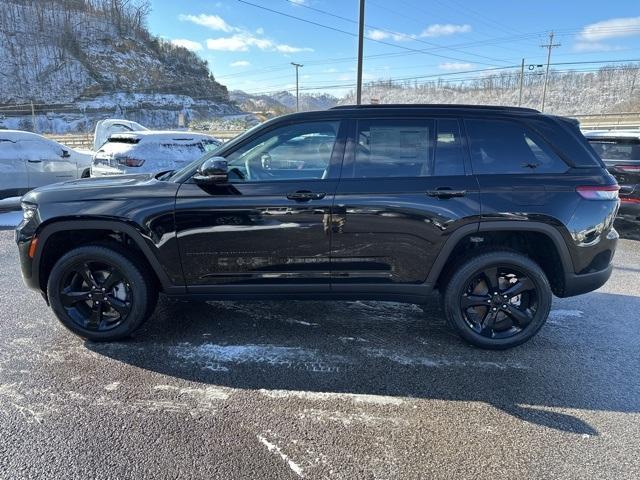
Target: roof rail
(437, 105)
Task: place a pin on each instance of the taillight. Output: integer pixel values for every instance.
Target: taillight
(130, 162)
(598, 192)
(628, 168)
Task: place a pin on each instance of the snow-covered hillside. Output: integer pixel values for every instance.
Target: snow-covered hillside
(569, 93)
(81, 60)
(282, 102)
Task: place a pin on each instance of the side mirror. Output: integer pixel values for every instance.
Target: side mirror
(213, 170)
(65, 154)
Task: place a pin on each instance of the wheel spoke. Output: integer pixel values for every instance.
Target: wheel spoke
(522, 285)
(119, 306)
(474, 301)
(87, 276)
(520, 317)
(69, 298)
(111, 281)
(488, 322)
(95, 319)
(491, 277)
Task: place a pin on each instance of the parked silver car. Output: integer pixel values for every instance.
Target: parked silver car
(29, 160)
(150, 151)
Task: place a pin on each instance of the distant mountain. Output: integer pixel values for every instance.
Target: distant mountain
(282, 102)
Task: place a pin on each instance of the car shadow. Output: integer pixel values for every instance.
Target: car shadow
(384, 348)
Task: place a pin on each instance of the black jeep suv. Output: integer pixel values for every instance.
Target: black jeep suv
(497, 208)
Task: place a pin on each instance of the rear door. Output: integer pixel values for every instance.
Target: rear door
(268, 230)
(405, 187)
(13, 170)
(47, 162)
(519, 173)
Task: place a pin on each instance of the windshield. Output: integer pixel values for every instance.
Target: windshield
(620, 148)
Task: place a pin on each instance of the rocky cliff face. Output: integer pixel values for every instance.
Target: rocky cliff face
(96, 58)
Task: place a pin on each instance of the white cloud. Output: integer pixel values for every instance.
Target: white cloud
(454, 66)
(242, 42)
(444, 29)
(188, 44)
(214, 22)
(614, 28)
(594, 47)
(376, 34)
(240, 63)
(299, 2)
(282, 48)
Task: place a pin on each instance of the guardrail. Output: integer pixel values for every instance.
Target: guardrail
(85, 140)
(610, 121)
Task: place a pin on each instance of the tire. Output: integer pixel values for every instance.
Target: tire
(100, 292)
(480, 306)
(86, 173)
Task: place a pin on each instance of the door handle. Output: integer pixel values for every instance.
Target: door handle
(34, 161)
(305, 196)
(446, 192)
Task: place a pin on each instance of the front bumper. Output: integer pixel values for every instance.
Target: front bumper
(24, 233)
(575, 284)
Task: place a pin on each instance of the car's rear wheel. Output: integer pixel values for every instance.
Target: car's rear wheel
(497, 300)
(99, 293)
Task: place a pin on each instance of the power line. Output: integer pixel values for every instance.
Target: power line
(392, 32)
(355, 35)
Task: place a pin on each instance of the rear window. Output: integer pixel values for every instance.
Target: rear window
(616, 148)
(508, 147)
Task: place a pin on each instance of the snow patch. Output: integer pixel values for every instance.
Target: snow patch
(437, 362)
(215, 357)
(273, 448)
(327, 396)
(561, 314)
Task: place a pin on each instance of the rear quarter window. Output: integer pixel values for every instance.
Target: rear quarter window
(509, 147)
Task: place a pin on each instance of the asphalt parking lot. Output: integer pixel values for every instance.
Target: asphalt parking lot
(320, 390)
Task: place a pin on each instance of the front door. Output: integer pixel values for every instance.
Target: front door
(405, 187)
(270, 227)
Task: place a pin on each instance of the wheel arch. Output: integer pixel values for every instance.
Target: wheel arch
(542, 242)
(100, 229)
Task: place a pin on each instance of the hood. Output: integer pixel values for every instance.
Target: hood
(117, 187)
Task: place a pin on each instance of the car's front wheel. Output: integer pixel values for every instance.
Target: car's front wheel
(497, 300)
(100, 293)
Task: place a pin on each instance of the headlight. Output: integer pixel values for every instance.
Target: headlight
(28, 210)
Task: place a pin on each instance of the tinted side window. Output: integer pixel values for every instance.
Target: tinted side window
(449, 156)
(503, 146)
(393, 148)
(292, 152)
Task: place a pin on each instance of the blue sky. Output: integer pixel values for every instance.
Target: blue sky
(250, 48)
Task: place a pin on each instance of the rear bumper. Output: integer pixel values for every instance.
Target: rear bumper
(578, 284)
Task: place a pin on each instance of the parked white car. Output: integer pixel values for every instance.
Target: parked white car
(106, 128)
(150, 151)
(29, 160)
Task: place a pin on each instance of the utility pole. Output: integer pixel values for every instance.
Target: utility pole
(548, 46)
(297, 65)
(33, 117)
(360, 48)
(521, 80)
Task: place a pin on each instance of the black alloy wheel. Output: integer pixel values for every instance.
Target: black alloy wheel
(497, 299)
(499, 302)
(102, 292)
(96, 295)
